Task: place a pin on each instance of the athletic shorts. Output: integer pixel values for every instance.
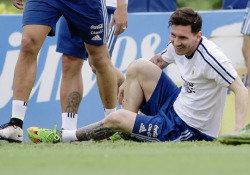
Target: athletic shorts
(246, 23)
(159, 121)
(86, 18)
(75, 46)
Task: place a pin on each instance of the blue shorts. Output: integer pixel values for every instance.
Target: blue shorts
(246, 23)
(159, 122)
(75, 46)
(86, 18)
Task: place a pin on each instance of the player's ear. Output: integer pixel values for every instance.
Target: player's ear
(199, 35)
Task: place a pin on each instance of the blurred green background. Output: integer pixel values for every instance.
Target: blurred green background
(6, 6)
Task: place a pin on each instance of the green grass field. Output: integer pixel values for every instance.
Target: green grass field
(124, 158)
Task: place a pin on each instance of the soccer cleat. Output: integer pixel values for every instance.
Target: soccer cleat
(118, 136)
(115, 137)
(37, 135)
(241, 137)
(11, 133)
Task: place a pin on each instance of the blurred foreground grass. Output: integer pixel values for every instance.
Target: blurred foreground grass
(123, 158)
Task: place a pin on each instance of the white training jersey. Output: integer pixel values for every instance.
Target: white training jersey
(111, 3)
(206, 76)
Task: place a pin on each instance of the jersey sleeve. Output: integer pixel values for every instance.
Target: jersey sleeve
(167, 54)
(223, 73)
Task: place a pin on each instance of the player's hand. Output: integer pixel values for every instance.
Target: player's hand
(120, 18)
(18, 4)
(121, 93)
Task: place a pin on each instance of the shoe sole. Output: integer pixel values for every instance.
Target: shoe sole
(11, 140)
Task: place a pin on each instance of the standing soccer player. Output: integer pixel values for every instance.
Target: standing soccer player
(74, 54)
(86, 19)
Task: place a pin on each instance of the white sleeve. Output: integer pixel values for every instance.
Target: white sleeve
(224, 74)
(167, 54)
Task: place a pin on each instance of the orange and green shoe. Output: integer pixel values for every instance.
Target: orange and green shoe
(41, 135)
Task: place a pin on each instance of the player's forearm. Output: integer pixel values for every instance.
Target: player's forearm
(241, 105)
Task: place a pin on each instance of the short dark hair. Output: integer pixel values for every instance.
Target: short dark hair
(186, 16)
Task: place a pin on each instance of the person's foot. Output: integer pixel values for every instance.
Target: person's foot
(37, 135)
(11, 133)
(241, 137)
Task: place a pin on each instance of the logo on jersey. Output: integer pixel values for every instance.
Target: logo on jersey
(189, 87)
(96, 38)
(193, 71)
(142, 128)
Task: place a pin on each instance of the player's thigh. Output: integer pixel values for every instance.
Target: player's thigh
(246, 42)
(67, 45)
(147, 73)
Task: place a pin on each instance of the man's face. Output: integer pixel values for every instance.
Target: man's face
(184, 41)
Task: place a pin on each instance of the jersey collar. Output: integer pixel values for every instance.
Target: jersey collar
(191, 56)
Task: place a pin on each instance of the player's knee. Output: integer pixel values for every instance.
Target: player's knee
(113, 121)
(71, 65)
(134, 69)
(29, 46)
(101, 62)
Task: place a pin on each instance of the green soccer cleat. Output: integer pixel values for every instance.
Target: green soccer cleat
(37, 135)
(115, 137)
(241, 137)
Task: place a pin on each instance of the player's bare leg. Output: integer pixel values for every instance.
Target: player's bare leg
(24, 78)
(118, 73)
(26, 67)
(246, 53)
(71, 89)
(105, 71)
(142, 77)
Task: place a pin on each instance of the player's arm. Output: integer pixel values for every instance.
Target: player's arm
(120, 17)
(158, 61)
(18, 4)
(241, 102)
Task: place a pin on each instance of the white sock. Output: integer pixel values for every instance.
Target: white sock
(108, 111)
(19, 109)
(69, 135)
(69, 121)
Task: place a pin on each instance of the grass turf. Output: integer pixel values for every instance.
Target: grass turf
(124, 157)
